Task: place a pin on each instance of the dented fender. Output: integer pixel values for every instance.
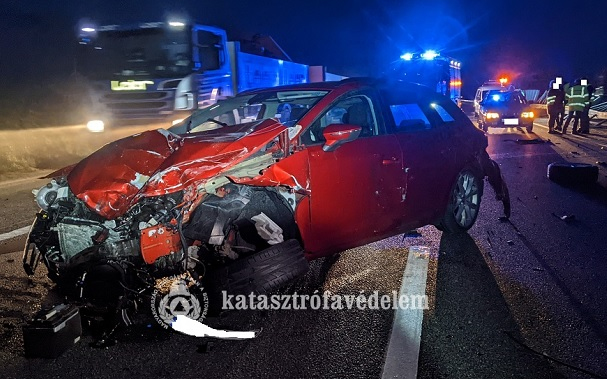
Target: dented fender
(158, 162)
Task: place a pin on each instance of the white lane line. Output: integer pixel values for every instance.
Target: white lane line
(405, 338)
(15, 233)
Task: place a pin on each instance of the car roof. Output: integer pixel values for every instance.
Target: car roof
(346, 84)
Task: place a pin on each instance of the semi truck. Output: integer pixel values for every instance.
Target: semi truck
(162, 71)
(433, 70)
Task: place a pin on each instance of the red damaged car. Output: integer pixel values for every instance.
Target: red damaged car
(242, 194)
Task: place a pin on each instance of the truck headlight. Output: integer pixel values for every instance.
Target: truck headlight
(95, 126)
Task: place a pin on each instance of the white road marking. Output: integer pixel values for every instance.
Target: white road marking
(403, 349)
(15, 233)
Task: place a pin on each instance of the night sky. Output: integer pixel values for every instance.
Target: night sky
(528, 40)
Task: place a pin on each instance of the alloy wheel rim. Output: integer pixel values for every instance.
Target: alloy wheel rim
(466, 199)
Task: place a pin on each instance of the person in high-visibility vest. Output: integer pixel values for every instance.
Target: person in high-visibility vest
(555, 104)
(577, 99)
(585, 124)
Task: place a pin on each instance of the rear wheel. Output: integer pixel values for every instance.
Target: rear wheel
(529, 128)
(464, 202)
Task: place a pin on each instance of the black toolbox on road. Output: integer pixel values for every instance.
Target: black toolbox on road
(52, 331)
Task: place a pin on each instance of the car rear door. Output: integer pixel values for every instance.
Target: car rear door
(429, 158)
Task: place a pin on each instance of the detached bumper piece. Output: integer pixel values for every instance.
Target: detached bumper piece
(497, 182)
(52, 332)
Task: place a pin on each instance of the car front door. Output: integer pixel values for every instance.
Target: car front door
(355, 189)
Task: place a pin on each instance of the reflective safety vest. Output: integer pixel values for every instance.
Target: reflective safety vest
(578, 98)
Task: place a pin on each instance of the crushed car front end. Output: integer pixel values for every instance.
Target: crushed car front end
(159, 211)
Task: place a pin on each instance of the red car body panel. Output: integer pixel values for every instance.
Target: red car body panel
(158, 162)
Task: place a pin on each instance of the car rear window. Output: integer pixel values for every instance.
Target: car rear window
(442, 113)
(409, 117)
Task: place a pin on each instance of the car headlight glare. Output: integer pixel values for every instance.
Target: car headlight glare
(95, 126)
(527, 114)
(492, 115)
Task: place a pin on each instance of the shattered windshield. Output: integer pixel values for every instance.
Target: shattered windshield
(288, 107)
(146, 52)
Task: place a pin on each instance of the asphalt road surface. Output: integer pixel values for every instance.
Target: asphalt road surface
(523, 298)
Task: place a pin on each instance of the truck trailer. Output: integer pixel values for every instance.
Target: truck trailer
(162, 71)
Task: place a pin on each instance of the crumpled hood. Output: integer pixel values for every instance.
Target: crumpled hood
(159, 162)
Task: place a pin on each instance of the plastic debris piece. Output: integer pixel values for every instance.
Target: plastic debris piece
(601, 163)
(529, 141)
(568, 218)
(510, 242)
(575, 152)
(420, 251)
(268, 229)
(412, 233)
(537, 269)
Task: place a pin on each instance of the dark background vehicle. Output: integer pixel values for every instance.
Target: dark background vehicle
(432, 69)
(505, 109)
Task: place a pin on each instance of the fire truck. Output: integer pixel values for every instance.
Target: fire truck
(162, 71)
(432, 69)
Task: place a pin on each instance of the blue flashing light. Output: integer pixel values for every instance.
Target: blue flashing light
(407, 56)
(280, 61)
(496, 97)
(429, 55)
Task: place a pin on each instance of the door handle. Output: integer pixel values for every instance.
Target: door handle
(390, 161)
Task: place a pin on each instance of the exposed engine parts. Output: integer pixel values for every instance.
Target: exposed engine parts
(115, 264)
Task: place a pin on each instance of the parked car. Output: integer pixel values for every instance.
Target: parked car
(481, 93)
(505, 109)
(242, 194)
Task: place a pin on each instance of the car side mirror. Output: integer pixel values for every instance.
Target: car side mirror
(338, 134)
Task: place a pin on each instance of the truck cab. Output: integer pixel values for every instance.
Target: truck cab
(160, 72)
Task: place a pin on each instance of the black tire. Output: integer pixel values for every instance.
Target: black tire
(529, 128)
(572, 174)
(464, 202)
(262, 272)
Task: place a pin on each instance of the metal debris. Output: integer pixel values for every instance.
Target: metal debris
(412, 233)
(566, 218)
(533, 141)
